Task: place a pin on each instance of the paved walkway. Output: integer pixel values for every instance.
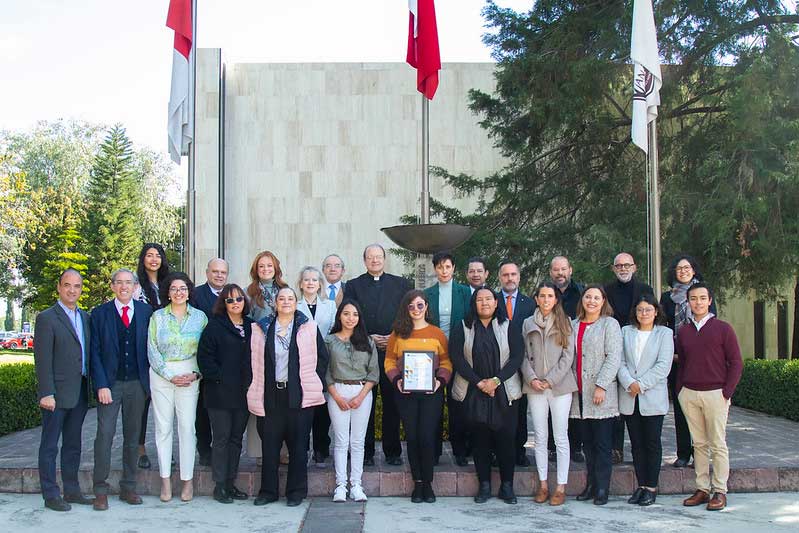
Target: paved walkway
(764, 456)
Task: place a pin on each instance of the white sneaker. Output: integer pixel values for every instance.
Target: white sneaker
(340, 494)
(357, 493)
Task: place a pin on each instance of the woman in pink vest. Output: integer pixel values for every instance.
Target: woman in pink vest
(289, 362)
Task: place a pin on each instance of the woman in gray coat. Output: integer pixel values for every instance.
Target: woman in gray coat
(643, 393)
(598, 347)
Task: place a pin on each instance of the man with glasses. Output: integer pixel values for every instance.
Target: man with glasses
(622, 292)
(120, 376)
(333, 270)
(203, 298)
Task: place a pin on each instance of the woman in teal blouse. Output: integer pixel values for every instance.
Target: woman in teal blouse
(174, 378)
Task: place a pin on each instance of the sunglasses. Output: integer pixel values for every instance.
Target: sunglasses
(419, 306)
(237, 299)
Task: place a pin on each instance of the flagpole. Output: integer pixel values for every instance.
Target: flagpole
(654, 206)
(190, 189)
(425, 219)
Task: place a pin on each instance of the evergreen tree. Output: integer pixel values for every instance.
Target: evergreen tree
(111, 232)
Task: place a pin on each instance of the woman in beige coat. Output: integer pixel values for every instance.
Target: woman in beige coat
(598, 348)
(549, 383)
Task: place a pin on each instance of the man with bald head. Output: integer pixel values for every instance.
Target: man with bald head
(204, 298)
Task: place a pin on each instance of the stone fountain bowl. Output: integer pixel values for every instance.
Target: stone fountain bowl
(429, 238)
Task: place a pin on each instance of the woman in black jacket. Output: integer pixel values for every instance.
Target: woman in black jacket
(224, 360)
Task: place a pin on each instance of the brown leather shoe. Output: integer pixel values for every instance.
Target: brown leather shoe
(717, 502)
(558, 497)
(100, 502)
(130, 497)
(542, 495)
(698, 498)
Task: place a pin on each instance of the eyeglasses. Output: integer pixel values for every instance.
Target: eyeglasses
(237, 299)
(125, 282)
(419, 306)
(624, 266)
(645, 310)
(178, 289)
(333, 265)
(684, 268)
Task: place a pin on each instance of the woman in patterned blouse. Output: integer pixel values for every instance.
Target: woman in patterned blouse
(174, 378)
(267, 279)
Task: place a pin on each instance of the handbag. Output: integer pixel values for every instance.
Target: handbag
(481, 409)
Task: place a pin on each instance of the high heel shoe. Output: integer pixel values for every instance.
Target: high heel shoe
(187, 493)
(166, 489)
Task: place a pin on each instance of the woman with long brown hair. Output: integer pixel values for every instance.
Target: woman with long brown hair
(266, 280)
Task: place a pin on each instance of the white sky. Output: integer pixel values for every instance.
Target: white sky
(110, 60)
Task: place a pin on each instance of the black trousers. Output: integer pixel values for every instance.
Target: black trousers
(321, 430)
(292, 426)
(202, 426)
(392, 446)
(420, 416)
(65, 424)
(521, 426)
(502, 441)
(228, 426)
(684, 448)
(618, 434)
(597, 444)
(459, 437)
(647, 449)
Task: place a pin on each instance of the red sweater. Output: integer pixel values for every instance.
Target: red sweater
(709, 358)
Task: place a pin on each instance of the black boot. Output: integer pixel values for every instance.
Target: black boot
(427, 492)
(587, 494)
(637, 495)
(506, 492)
(483, 493)
(418, 490)
(648, 498)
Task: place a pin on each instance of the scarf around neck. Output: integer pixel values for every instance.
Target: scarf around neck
(682, 311)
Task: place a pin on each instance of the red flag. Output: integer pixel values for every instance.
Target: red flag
(423, 54)
(179, 123)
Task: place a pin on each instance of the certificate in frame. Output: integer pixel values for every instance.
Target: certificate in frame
(417, 374)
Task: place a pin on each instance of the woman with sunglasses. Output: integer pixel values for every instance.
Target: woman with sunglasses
(224, 359)
(420, 411)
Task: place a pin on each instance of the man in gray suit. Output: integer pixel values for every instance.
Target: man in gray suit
(62, 366)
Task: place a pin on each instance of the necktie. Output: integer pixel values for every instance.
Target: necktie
(509, 306)
(332, 294)
(125, 317)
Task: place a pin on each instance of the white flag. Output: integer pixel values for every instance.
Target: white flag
(647, 79)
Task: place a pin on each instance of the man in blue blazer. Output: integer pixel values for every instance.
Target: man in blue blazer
(120, 376)
(61, 356)
(448, 303)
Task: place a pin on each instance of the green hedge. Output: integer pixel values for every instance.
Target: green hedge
(18, 398)
(770, 386)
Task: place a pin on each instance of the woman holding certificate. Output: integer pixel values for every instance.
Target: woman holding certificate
(487, 352)
(417, 363)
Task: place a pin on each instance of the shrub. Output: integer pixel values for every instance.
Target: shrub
(18, 398)
(770, 386)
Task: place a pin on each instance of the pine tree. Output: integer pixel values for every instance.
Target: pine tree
(111, 235)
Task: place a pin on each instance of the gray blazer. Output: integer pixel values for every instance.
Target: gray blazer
(602, 349)
(57, 356)
(651, 372)
(546, 359)
(325, 313)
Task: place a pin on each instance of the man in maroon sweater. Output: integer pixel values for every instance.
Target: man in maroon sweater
(710, 368)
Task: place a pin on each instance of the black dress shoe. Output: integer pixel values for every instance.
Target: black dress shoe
(57, 504)
(394, 460)
(417, 496)
(144, 462)
(427, 493)
(221, 495)
(78, 498)
(636, 497)
(648, 498)
(461, 460)
(263, 499)
(483, 493)
(293, 502)
(506, 493)
(522, 460)
(235, 493)
(205, 459)
(368, 461)
(578, 457)
(601, 497)
(586, 494)
(680, 463)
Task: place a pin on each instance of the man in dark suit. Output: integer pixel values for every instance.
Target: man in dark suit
(379, 295)
(518, 307)
(333, 270)
(203, 298)
(623, 293)
(61, 355)
(120, 376)
(448, 303)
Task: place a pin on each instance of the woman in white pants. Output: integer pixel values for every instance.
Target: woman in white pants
(174, 335)
(549, 384)
(351, 374)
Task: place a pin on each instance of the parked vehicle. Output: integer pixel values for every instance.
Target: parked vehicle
(20, 341)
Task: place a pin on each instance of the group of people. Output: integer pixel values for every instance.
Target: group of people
(292, 367)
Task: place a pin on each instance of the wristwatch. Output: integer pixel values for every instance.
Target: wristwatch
(497, 381)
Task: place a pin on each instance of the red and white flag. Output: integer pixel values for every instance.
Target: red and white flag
(180, 122)
(423, 54)
(647, 79)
